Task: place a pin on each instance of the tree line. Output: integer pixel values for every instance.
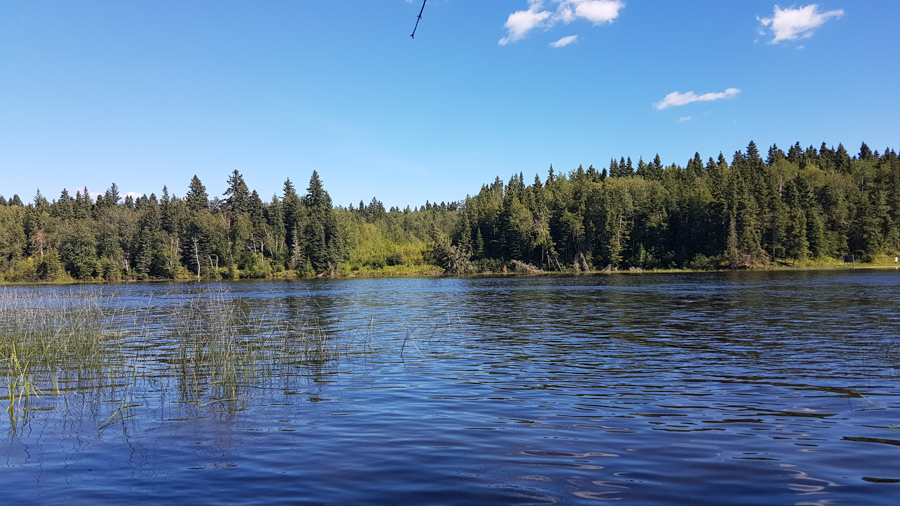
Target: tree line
(802, 205)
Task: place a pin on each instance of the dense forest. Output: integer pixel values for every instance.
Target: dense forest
(802, 206)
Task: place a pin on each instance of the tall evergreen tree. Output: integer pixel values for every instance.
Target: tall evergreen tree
(111, 197)
(291, 205)
(865, 153)
(323, 245)
(237, 195)
(614, 168)
(196, 198)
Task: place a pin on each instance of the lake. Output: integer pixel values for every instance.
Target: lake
(700, 388)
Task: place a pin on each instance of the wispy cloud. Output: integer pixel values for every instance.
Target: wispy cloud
(796, 23)
(598, 12)
(675, 98)
(565, 41)
(683, 119)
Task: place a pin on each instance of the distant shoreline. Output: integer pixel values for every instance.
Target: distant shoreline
(436, 274)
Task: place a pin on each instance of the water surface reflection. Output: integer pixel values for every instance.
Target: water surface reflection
(737, 388)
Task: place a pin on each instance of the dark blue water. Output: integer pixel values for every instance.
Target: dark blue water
(743, 388)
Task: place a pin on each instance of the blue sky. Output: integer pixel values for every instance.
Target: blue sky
(146, 94)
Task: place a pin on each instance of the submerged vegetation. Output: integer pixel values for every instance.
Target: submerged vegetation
(800, 207)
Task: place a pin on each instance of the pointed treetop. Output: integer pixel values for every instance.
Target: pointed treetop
(196, 197)
(238, 193)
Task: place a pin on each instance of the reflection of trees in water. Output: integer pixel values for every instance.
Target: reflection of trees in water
(745, 319)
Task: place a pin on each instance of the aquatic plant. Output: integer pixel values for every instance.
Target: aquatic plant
(61, 337)
(215, 348)
(220, 346)
(52, 343)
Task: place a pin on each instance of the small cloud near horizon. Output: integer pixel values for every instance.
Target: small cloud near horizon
(520, 23)
(795, 23)
(565, 41)
(676, 98)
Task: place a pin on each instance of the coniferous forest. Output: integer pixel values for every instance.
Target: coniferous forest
(797, 207)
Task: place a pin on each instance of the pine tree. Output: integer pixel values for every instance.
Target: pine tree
(276, 238)
(196, 198)
(614, 168)
(112, 196)
(238, 195)
(465, 234)
(842, 160)
(652, 171)
(810, 157)
(795, 153)
(774, 155)
(865, 153)
(323, 245)
(695, 166)
(291, 204)
(479, 244)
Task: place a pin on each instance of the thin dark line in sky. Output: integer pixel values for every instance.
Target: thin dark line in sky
(418, 19)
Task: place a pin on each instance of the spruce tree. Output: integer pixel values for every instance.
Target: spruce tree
(323, 245)
(238, 195)
(291, 204)
(196, 198)
(864, 152)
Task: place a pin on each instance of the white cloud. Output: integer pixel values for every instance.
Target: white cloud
(796, 23)
(676, 99)
(565, 41)
(683, 119)
(520, 23)
(597, 12)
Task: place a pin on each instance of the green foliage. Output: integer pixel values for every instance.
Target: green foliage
(238, 194)
(77, 247)
(702, 262)
(51, 269)
(316, 237)
(452, 259)
(806, 205)
(261, 267)
(196, 198)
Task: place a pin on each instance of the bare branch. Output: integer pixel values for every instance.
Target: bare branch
(418, 19)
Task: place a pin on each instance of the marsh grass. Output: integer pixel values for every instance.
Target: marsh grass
(51, 343)
(86, 347)
(221, 348)
(91, 352)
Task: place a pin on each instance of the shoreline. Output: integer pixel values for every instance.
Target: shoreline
(436, 274)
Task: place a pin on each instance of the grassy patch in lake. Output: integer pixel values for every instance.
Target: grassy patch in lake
(206, 345)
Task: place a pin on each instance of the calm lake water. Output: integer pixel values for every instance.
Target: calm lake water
(725, 388)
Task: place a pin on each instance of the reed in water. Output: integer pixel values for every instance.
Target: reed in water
(208, 346)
